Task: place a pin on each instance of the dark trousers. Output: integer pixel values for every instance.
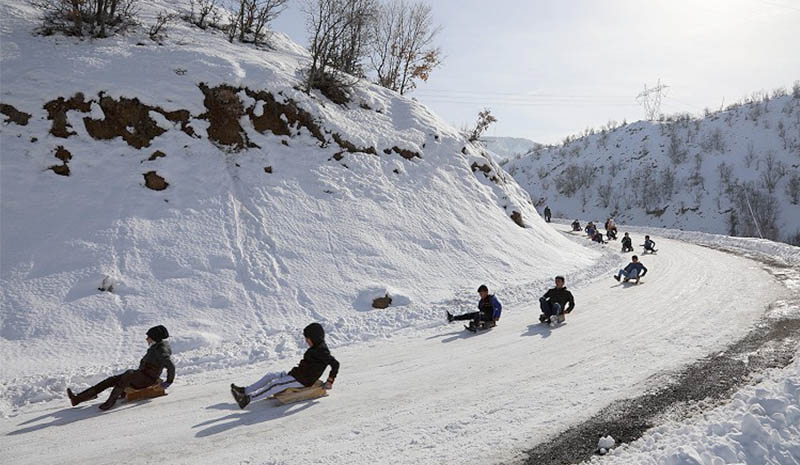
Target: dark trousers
(131, 378)
(477, 317)
(549, 309)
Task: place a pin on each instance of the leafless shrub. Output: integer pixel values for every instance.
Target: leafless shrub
(485, 118)
(94, 18)
(676, 152)
(750, 157)
(156, 31)
(573, 178)
(713, 141)
(793, 189)
(772, 173)
(201, 10)
(796, 89)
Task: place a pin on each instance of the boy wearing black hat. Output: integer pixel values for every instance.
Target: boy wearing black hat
(150, 367)
(305, 374)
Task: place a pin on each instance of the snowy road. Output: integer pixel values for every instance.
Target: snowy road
(441, 396)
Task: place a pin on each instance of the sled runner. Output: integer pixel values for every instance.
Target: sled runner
(481, 325)
(149, 392)
(290, 395)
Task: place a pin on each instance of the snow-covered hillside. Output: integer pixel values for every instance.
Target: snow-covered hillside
(191, 184)
(735, 172)
(504, 148)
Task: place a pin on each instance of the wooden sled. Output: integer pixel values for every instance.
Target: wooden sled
(149, 392)
(287, 396)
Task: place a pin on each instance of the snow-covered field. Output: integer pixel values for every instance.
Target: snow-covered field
(426, 395)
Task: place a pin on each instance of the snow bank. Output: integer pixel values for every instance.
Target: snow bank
(761, 425)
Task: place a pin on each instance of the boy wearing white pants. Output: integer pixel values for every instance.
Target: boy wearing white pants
(305, 374)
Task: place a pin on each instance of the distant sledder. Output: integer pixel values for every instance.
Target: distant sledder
(576, 225)
(555, 303)
(627, 243)
(635, 270)
(649, 245)
(611, 229)
(146, 377)
(489, 309)
(302, 382)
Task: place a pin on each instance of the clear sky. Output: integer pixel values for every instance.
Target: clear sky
(550, 68)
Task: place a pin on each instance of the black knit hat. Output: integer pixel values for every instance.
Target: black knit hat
(483, 288)
(315, 333)
(158, 333)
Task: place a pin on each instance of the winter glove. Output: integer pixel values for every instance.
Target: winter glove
(165, 384)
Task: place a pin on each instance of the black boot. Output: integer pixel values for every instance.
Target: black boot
(88, 394)
(116, 393)
(449, 317)
(237, 389)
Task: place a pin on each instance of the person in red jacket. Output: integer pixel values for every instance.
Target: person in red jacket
(305, 374)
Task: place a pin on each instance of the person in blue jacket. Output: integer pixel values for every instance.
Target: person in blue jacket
(634, 270)
(489, 309)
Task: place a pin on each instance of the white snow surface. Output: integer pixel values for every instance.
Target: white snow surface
(233, 260)
(424, 396)
(760, 425)
(627, 172)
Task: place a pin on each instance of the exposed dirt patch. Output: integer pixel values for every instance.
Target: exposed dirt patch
(13, 115)
(57, 113)
(407, 154)
(154, 181)
(382, 302)
(270, 119)
(127, 118)
(224, 108)
(64, 155)
(268, 169)
(156, 155)
(485, 169)
(350, 147)
(517, 217)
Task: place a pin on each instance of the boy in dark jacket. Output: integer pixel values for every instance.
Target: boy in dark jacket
(305, 374)
(649, 245)
(627, 245)
(634, 270)
(150, 367)
(489, 309)
(556, 302)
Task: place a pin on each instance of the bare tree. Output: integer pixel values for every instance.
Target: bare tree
(773, 171)
(328, 23)
(205, 8)
(403, 48)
